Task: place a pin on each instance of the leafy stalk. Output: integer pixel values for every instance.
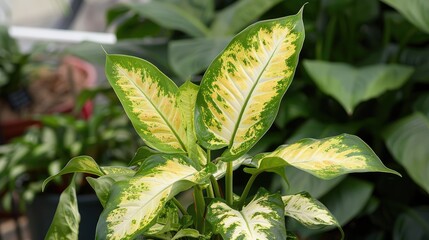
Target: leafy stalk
(200, 208)
(179, 206)
(246, 190)
(215, 186)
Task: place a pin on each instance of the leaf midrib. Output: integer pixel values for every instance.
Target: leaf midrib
(182, 145)
(240, 116)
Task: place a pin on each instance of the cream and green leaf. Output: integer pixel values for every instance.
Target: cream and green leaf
(241, 91)
(262, 218)
(308, 211)
(186, 98)
(134, 204)
(329, 157)
(149, 99)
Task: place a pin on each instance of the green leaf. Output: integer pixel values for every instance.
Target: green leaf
(103, 184)
(238, 15)
(329, 157)
(187, 232)
(170, 16)
(261, 219)
(351, 86)
(189, 57)
(416, 11)
(407, 140)
(221, 166)
(133, 205)
(83, 164)
(142, 154)
(241, 91)
(186, 97)
(65, 224)
(149, 99)
(166, 222)
(412, 224)
(308, 211)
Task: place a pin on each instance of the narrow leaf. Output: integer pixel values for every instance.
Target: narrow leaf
(241, 91)
(328, 157)
(83, 164)
(142, 154)
(133, 205)
(308, 211)
(65, 224)
(416, 11)
(407, 140)
(149, 99)
(187, 232)
(351, 86)
(261, 219)
(186, 97)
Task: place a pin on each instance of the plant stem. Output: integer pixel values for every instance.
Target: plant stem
(229, 184)
(246, 190)
(179, 206)
(215, 187)
(210, 192)
(200, 208)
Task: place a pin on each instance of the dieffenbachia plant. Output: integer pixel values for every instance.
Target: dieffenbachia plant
(233, 107)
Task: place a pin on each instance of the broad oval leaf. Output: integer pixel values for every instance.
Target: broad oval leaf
(261, 219)
(83, 164)
(351, 86)
(65, 223)
(328, 157)
(308, 211)
(149, 99)
(134, 204)
(241, 91)
(407, 140)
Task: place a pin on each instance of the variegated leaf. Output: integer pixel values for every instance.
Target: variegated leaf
(134, 204)
(149, 99)
(308, 211)
(262, 218)
(186, 97)
(328, 157)
(241, 91)
(65, 224)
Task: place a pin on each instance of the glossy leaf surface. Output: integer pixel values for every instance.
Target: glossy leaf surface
(83, 164)
(186, 97)
(351, 86)
(308, 211)
(149, 99)
(328, 157)
(407, 140)
(261, 219)
(134, 204)
(241, 91)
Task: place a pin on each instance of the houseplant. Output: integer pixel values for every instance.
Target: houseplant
(28, 160)
(184, 127)
(37, 83)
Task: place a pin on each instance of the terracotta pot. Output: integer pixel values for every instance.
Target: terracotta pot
(84, 75)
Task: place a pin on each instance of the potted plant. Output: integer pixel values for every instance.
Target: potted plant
(30, 86)
(29, 159)
(198, 135)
